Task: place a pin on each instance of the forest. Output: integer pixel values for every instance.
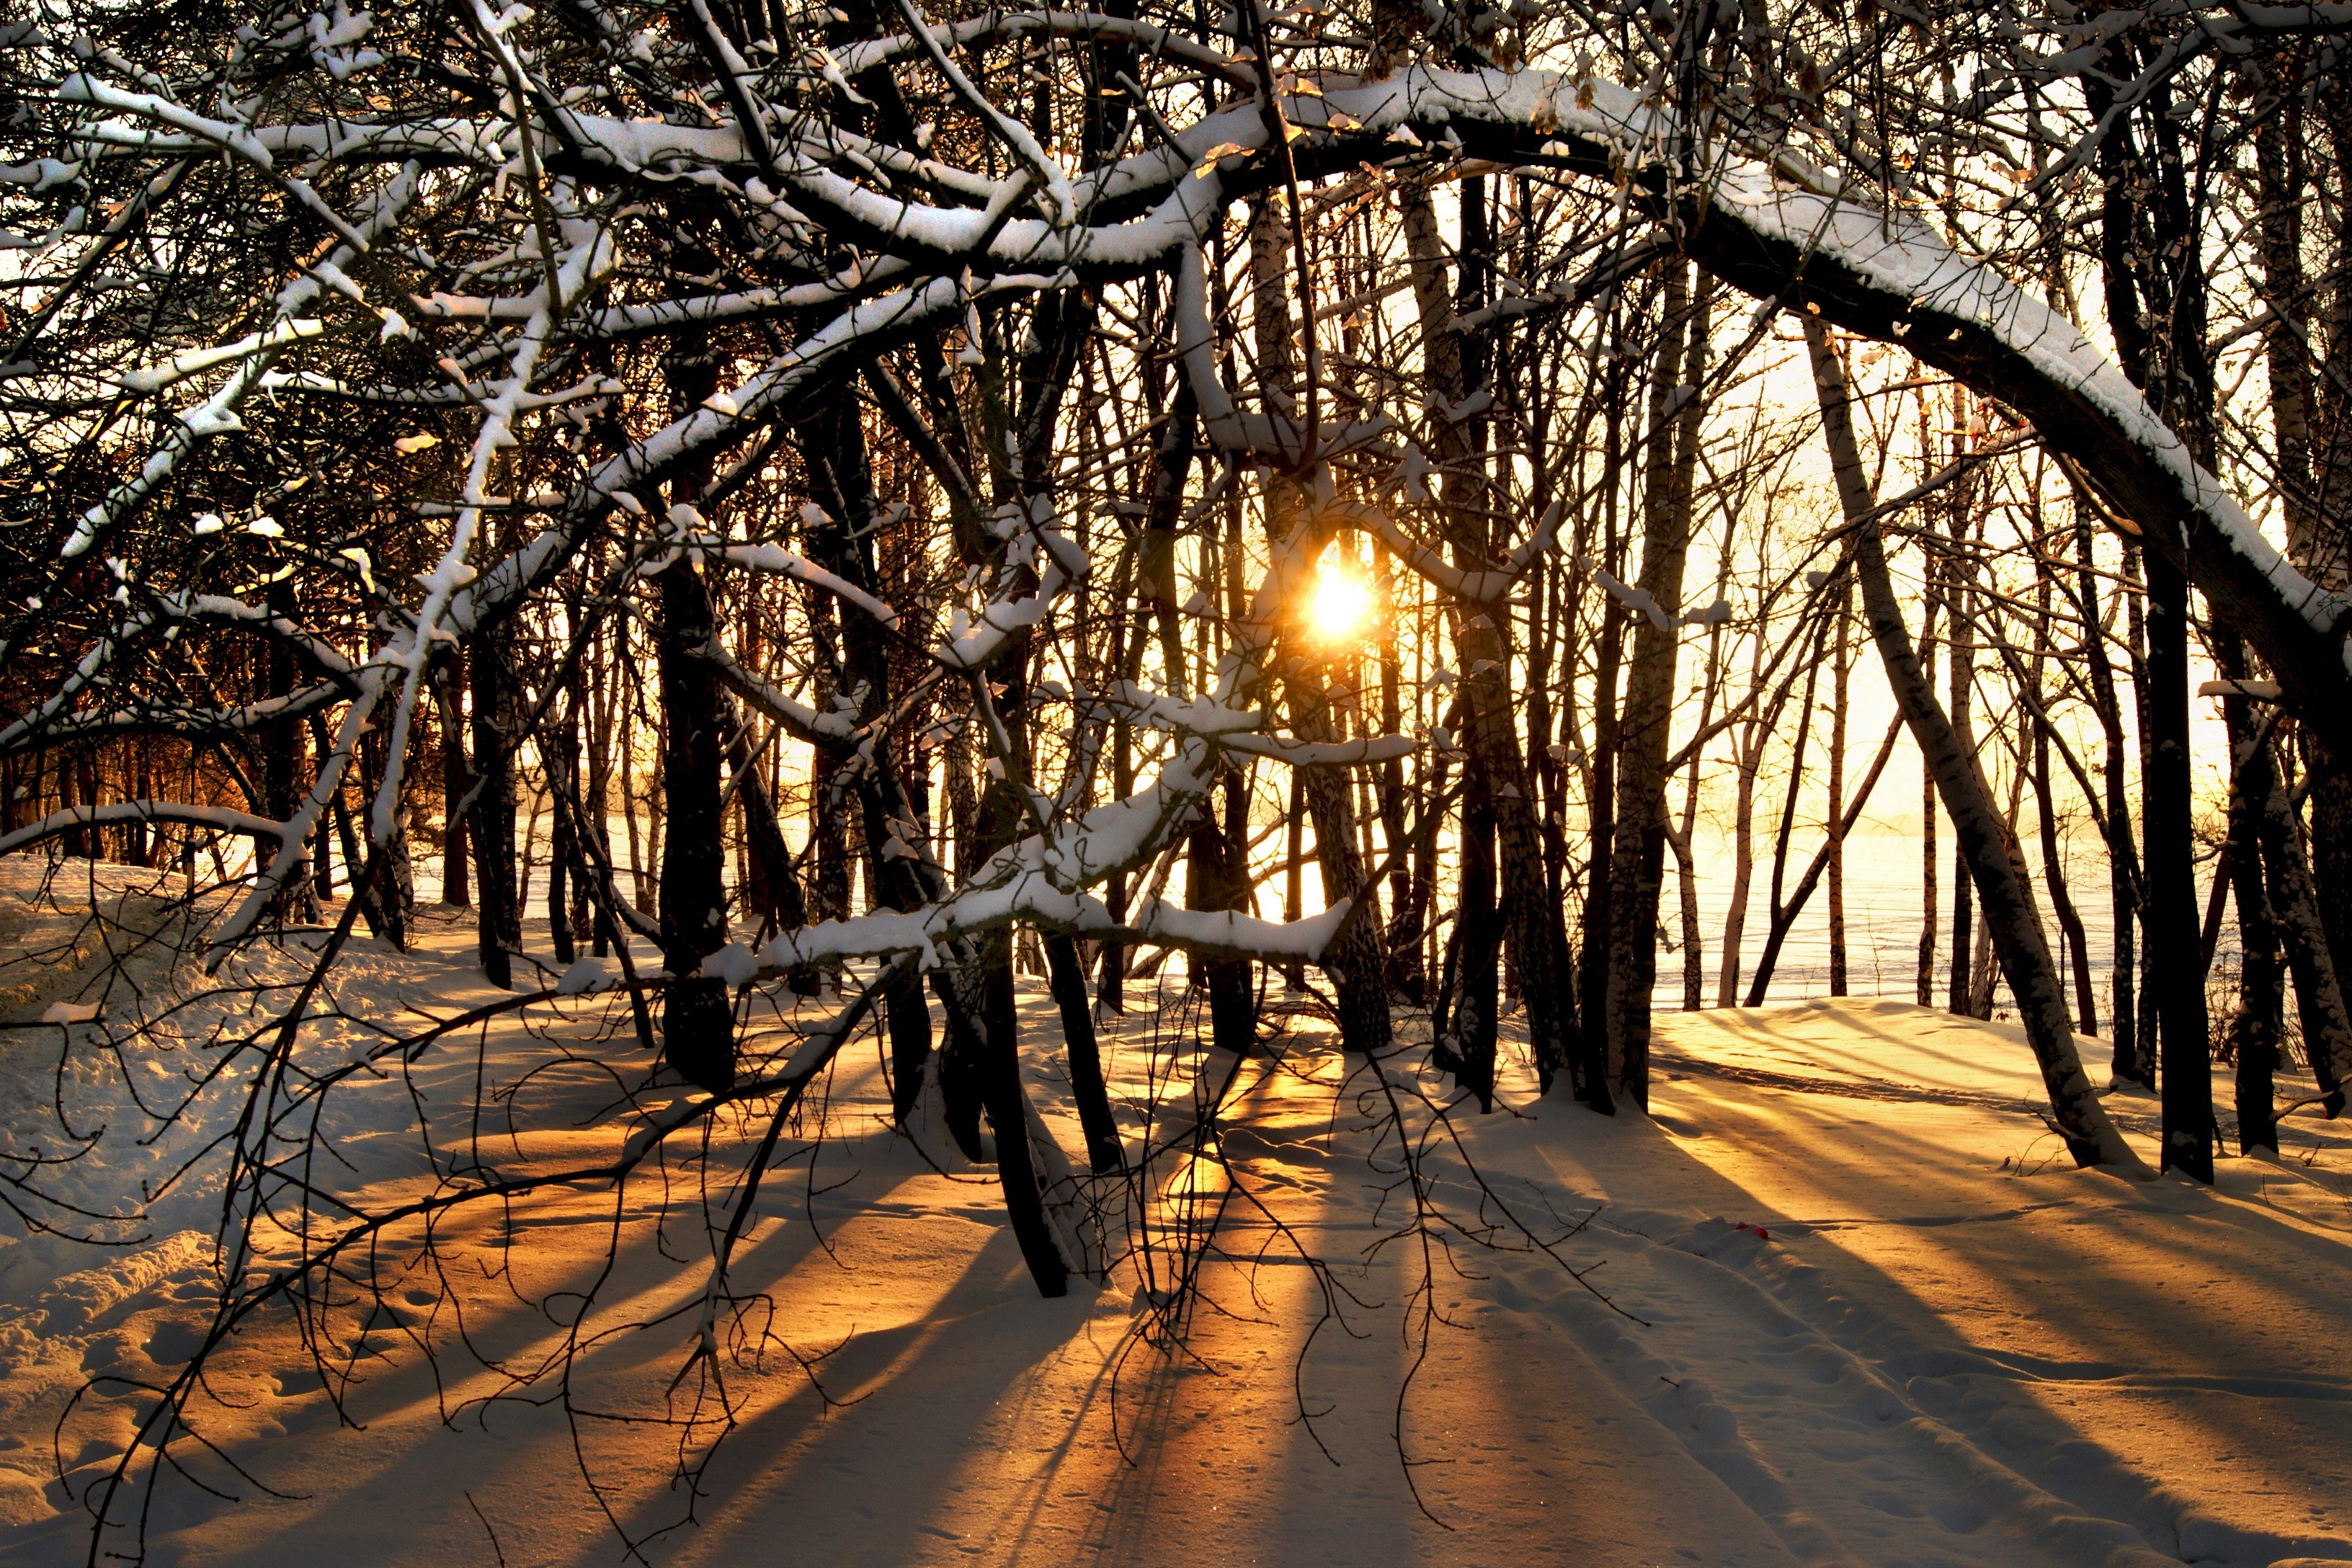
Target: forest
(1256, 651)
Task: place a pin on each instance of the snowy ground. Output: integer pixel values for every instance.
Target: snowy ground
(1861, 1317)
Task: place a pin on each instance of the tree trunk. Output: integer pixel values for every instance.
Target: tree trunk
(1218, 878)
(834, 448)
(1960, 973)
(2054, 872)
(1991, 853)
(1105, 1153)
(1928, 812)
(1359, 973)
(77, 841)
(1293, 842)
(282, 747)
(1407, 979)
(391, 888)
(698, 1013)
(1784, 916)
(456, 879)
(1590, 1067)
(1454, 363)
(1687, 891)
(1749, 753)
(1637, 858)
(2320, 1001)
(1466, 1049)
(1839, 618)
(498, 921)
(2259, 1020)
(1006, 1104)
(2174, 943)
(2131, 1062)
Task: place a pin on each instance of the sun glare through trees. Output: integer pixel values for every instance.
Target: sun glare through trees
(1339, 604)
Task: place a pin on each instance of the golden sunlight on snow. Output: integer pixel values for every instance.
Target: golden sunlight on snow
(1856, 1313)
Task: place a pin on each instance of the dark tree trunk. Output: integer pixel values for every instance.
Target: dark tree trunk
(391, 888)
(1002, 1097)
(1637, 858)
(1841, 617)
(2053, 874)
(2053, 869)
(1294, 853)
(2331, 842)
(2320, 1001)
(833, 445)
(1590, 1068)
(2175, 945)
(2259, 1021)
(2149, 1025)
(1466, 1049)
(697, 1014)
(1963, 701)
(1785, 915)
(281, 751)
(1219, 879)
(772, 892)
(135, 834)
(339, 813)
(498, 921)
(1523, 919)
(567, 895)
(457, 772)
(77, 841)
(2131, 1062)
(1105, 1154)
(1353, 960)
(1407, 978)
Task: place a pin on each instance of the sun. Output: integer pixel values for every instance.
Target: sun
(1340, 606)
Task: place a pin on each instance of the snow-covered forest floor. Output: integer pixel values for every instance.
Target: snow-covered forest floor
(1863, 1314)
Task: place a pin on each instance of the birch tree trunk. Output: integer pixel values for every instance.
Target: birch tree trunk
(1993, 859)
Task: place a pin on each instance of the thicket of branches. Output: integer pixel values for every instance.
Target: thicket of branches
(589, 452)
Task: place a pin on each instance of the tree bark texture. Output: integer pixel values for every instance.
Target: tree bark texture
(1637, 858)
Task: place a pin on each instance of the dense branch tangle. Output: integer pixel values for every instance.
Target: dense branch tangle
(384, 389)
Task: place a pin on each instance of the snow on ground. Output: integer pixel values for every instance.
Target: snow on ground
(1860, 1317)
